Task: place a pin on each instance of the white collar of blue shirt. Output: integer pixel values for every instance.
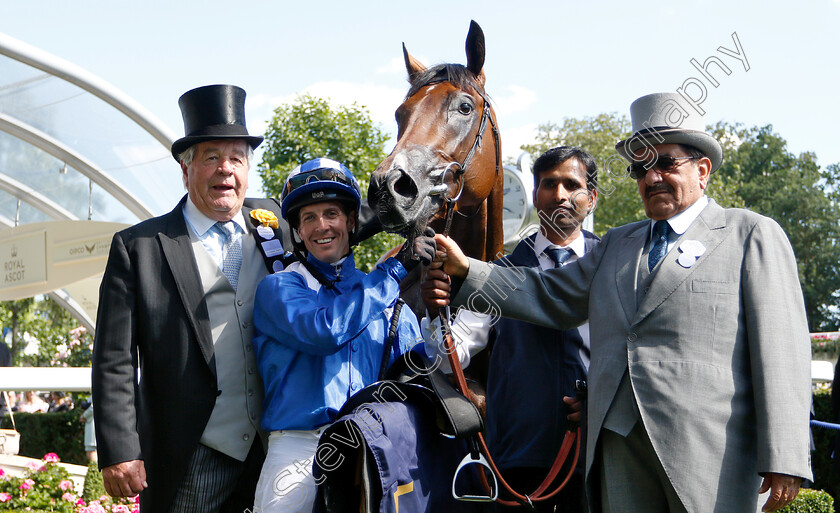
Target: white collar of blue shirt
(201, 224)
(680, 222)
(578, 247)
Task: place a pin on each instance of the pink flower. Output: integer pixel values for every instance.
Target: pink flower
(65, 485)
(95, 507)
(51, 457)
(37, 466)
(5, 497)
(80, 502)
(2, 472)
(26, 485)
(120, 508)
(69, 497)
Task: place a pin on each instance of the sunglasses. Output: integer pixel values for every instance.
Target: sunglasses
(663, 164)
(317, 175)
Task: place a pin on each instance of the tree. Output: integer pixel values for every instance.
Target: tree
(60, 340)
(801, 197)
(311, 127)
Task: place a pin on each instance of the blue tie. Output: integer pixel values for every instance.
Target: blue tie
(231, 252)
(660, 243)
(558, 255)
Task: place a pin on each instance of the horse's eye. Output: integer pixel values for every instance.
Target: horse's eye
(465, 108)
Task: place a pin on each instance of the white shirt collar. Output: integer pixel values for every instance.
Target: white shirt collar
(200, 223)
(578, 244)
(680, 222)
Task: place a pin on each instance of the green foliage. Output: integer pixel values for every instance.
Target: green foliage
(824, 476)
(46, 486)
(60, 340)
(801, 197)
(311, 127)
(94, 485)
(810, 501)
(40, 433)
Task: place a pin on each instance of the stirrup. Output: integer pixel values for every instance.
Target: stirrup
(494, 485)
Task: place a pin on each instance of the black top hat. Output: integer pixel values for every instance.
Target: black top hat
(213, 112)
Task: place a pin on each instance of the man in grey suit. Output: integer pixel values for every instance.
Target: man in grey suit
(176, 304)
(699, 380)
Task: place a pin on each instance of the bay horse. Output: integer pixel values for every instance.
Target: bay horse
(444, 151)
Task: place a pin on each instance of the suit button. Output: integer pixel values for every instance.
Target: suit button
(251, 370)
(239, 302)
(245, 325)
(647, 289)
(250, 393)
(632, 337)
(246, 437)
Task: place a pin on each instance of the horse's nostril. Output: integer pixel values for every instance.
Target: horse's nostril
(405, 187)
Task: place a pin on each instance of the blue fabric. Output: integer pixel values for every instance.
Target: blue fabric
(414, 463)
(315, 349)
(558, 255)
(531, 368)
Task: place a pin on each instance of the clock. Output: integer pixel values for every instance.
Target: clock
(517, 207)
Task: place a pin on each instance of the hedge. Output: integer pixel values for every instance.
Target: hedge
(41, 433)
(810, 501)
(824, 476)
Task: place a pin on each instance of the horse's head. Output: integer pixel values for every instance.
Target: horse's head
(443, 150)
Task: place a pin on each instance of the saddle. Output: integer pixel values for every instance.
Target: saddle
(397, 445)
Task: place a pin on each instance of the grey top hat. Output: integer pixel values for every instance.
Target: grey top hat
(213, 112)
(664, 118)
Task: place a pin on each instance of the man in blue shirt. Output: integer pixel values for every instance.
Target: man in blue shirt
(533, 367)
(321, 328)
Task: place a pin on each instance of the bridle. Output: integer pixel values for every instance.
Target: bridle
(479, 453)
(458, 169)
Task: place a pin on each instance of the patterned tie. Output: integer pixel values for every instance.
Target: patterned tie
(661, 229)
(231, 252)
(558, 255)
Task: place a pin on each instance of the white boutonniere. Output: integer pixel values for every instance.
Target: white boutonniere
(690, 250)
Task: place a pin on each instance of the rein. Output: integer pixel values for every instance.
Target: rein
(479, 453)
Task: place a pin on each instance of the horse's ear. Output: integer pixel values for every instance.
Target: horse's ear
(412, 65)
(475, 51)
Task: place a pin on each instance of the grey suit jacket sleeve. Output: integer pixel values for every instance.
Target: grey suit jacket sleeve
(780, 351)
(556, 298)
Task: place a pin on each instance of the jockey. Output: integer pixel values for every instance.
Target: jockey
(322, 328)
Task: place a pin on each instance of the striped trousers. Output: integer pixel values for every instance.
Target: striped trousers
(217, 483)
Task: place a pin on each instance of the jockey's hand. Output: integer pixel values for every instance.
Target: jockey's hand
(421, 249)
(455, 263)
(434, 290)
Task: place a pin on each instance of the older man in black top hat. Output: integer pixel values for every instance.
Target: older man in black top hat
(177, 393)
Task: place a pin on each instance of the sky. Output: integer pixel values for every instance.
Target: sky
(545, 61)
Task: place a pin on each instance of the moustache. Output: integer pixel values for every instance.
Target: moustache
(655, 189)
